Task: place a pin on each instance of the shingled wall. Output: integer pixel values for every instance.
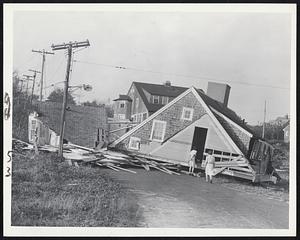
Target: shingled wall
(240, 138)
(172, 116)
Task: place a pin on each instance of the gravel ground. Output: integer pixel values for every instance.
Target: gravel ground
(279, 191)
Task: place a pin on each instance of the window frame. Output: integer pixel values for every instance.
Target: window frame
(137, 103)
(145, 114)
(154, 97)
(123, 116)
(184, 111)
(165, 100)
(134, 139)
(163, 131)
(122, 104)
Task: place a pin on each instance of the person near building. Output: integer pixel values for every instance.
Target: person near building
(209, 167)
(192, 161)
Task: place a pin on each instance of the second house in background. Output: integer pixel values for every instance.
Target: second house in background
(143, 99)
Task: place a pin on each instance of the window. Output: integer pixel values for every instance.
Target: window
(217, 152)
(134, 143)
(158, 130)
(187, 113)
(164, 100)
(32, 131)
(122, 105)
(144, 116)
(136, 103)
(138, 117)
(121, 116)
(155, 99)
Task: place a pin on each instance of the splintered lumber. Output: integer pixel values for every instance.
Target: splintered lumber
(146, 167)
(111, 161)
(172, 172)
(114, 157)
(108, 166)
(158, 168)
(80, 147)
(218, 170)
(124, 169)
(88, 160)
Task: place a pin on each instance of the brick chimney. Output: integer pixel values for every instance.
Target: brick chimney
(219, 92)
(167, 83)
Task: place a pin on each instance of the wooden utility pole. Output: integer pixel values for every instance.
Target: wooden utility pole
(27, 79)
(264, 124)
(34, 76)
(43, 52)
(69, 46)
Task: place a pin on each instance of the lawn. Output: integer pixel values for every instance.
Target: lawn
(48, 192)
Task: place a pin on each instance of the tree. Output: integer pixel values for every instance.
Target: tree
(58, 94)
(108, 108)
(94, 103)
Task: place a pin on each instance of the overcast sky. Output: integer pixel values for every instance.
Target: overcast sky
(245, 50)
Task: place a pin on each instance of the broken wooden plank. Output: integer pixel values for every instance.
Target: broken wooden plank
(89, 160)
(147, 168)
(124, 169)
(172, 172)
(80, 147)
(160, 169)
(108, 166)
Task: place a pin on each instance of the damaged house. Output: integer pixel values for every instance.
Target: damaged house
(85, 125)
(195, 119)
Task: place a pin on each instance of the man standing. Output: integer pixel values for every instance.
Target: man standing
(209, 166)
(192, 161)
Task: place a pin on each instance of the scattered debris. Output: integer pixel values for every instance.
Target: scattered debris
(117, 161)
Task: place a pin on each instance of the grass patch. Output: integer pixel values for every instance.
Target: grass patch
(47, 192)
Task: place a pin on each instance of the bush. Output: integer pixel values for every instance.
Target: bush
(47, 192)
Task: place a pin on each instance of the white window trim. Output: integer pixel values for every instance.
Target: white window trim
(155, 97)
(134, 139)
(163, 133)
(183, 113)
(165, 100)
(121, 118)
(122, 103)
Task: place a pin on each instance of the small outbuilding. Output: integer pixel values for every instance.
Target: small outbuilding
(85, 125)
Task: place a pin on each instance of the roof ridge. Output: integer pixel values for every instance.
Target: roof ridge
(156, 84)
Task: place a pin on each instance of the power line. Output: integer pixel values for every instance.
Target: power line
(179, 75)
(52, 85)
(56, 70)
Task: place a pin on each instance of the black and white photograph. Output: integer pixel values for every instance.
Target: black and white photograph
(149, 120)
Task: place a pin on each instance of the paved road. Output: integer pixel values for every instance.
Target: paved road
(189, 202)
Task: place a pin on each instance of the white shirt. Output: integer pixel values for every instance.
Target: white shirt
(193, 153)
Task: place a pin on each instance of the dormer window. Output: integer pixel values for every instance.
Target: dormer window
(165, 100)
(155, 99)
(122, 105)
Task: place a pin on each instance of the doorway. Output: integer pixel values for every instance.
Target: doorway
(198, 143)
